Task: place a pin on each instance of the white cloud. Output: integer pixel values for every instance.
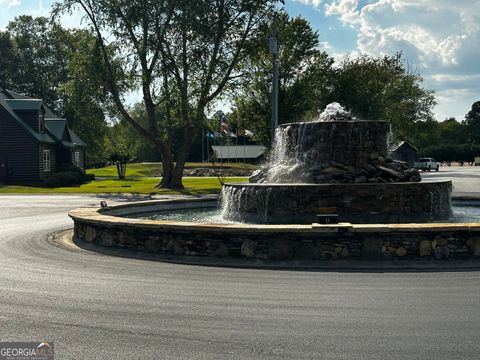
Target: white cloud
(431, 32)
(314, 3)
(41, 10)
(441, 38)
(9, 3)
(454, 102)
(345, 9)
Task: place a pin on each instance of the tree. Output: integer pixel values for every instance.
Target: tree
(384, 89)
(183, 54)
(305, 74)
(43, 60)
(472, 122)
(8, 61)
(35, 58)
(120, 159)
(86, 104)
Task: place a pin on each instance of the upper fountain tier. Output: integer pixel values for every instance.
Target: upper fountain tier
(333, 151)
(335, 165)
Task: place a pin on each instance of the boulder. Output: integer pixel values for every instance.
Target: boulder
(221, 251)
(389, 172)
(403, 164)
(442, 252)
(281, 249)
(401, 252)
(175, 248)
(370, 169)
(248, 248)
(90, 234)
(387, 255)
(394, 166)
(441, 241)
(380, 161)
(392, 249)
(474, 246)
(425, 248)
(344, 253)
(413, 175)
(360, 179)
(341, 166)
(152, 245)
(329, 255)
(107, 239)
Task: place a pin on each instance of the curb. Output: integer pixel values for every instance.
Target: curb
(64, 239)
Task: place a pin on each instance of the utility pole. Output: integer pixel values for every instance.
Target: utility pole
(273, 49)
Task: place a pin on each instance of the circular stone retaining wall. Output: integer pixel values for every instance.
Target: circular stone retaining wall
(276, 242)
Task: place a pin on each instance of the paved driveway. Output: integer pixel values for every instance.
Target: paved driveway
(465, 179)
(100, 307)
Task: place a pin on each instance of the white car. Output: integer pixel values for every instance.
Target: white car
(426, 164)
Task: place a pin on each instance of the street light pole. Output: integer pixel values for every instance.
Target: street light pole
(273, 49)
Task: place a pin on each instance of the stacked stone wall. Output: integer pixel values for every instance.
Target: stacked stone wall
(316, 242)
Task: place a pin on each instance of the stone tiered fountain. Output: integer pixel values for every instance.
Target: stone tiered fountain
(335, 165)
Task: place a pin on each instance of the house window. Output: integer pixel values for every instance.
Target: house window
(46, 160)
(41, 121)
(77, 158)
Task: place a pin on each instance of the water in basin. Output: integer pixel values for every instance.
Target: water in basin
(461, 214)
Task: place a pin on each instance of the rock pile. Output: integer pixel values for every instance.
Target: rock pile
(377, 170)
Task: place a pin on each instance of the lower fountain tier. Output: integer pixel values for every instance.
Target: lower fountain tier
(354, 203)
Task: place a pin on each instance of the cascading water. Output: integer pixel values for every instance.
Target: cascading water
(335, 163)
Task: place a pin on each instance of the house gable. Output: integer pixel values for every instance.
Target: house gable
(39, 137)
(19, 149)
(33, 140)
(60, 131)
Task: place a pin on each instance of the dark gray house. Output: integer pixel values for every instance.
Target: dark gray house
(405, 152)
(34, 142)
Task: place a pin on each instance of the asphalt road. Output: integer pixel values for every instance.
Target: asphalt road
(465, 179)
(100, 307)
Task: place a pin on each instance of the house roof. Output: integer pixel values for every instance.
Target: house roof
(404, 144)
(44, 138)
(55, 126)
(8, 94)
(24, 104)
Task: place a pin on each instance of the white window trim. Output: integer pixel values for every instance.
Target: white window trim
(46, 160)
(41, 122)
(77, 158)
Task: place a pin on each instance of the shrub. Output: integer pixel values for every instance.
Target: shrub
(89, 177)
(76, 169)
(61, 179)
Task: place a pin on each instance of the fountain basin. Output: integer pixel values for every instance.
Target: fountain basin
(313, 242)
(355, 203)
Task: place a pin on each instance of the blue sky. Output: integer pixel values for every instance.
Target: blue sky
(440, 39)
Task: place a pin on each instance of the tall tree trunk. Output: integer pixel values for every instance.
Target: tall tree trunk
(175, 181)
(167, 166)
(167, 170)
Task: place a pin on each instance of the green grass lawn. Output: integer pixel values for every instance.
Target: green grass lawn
(139, 180)
(151, 169)
(140, 185)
